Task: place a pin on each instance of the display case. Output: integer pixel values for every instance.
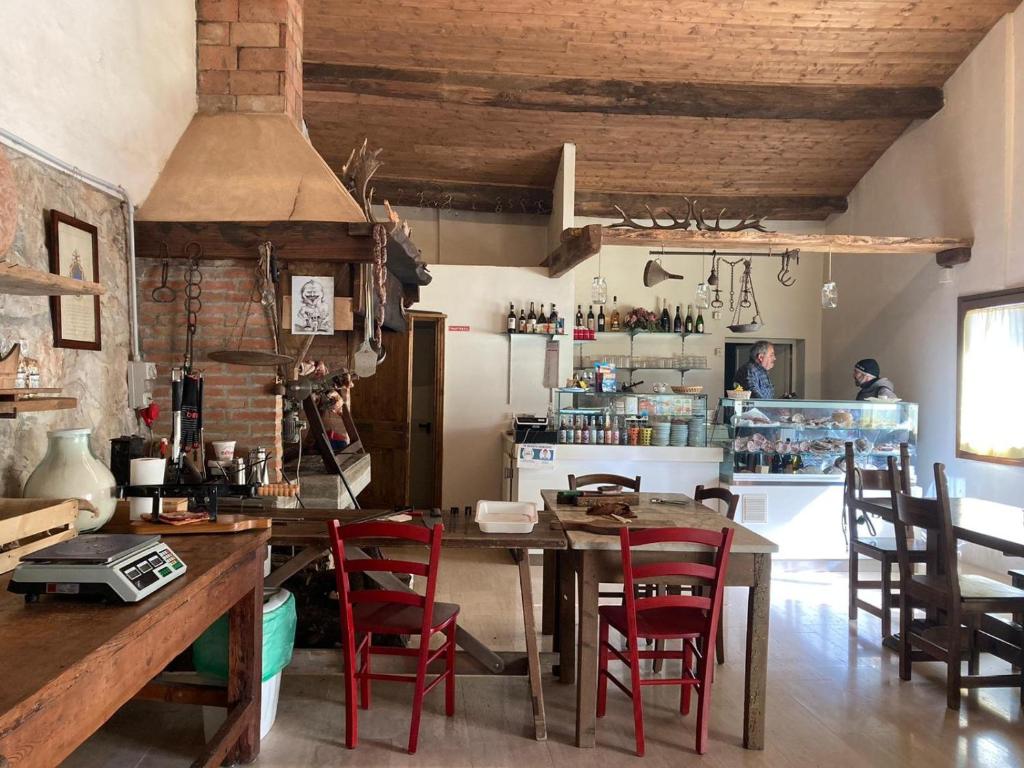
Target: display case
(799, 441)
(585, 417)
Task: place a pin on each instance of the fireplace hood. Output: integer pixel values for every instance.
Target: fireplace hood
(247, 167)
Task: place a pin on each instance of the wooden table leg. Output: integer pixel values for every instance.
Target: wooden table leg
(566, 635)
(586, 673)
(532, 650)
(549, 594)
(756, 673)
(245, 663)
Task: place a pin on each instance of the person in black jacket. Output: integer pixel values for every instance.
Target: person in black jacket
(866, 375)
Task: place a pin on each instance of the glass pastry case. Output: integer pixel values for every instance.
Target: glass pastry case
(799, 441)
(656, 419)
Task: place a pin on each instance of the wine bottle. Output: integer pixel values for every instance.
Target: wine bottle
(553, 319)
(531, 320)
(522, 320)
(542, 319)
(677, 322)
(666, 321)
(616, 320)
(698, 327)
(511, 325)
(585, 434)
(601, 319)
(689, 319)
(591, 323)
(579, 315)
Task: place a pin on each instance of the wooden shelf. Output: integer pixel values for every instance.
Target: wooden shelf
(25, 281)
(24, 400)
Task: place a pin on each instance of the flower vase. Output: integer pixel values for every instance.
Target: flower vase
(70, 470)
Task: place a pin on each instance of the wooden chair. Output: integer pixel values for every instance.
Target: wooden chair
(731, 501)
(880, 548)
(576, 483)
(961, 601)
(381, 611)
(692, 618)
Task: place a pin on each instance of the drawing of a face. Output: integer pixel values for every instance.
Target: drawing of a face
(312, 293)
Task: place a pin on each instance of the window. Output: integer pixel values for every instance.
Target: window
(990, 369)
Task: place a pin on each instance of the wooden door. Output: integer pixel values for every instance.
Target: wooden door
(427, 441)
(382, 409)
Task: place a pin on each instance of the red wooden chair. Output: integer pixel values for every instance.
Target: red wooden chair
(692, 618)
(390, 612)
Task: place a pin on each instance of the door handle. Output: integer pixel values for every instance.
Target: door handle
(425, 426)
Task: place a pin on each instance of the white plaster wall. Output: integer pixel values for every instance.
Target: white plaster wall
(788, 313)
(107, 86)
(477, 364)
(959, 173)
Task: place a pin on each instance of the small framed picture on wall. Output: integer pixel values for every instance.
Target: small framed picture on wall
(74, 253)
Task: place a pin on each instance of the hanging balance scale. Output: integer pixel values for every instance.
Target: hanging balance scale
(264, 295)
(747, 300)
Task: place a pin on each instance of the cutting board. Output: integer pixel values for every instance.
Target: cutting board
(224, 524)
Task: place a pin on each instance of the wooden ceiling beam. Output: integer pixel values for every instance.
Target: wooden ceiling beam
(626, 97)
(777, 207)
(462, 196)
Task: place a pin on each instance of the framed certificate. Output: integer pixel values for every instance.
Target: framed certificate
(74, 253)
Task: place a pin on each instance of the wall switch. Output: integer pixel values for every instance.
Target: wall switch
(139, 394)
(718, 351)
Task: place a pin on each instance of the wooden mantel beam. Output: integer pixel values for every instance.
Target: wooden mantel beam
(762, 101)
(580, 244)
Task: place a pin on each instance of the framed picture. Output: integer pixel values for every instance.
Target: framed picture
(312, 305)
(74, 253)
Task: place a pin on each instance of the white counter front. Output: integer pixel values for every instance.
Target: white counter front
(662, 470)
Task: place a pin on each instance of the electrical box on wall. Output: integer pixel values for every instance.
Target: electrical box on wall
(140, 374)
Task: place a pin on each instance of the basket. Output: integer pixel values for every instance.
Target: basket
(27, 525)
(737, 395)
(688, 390)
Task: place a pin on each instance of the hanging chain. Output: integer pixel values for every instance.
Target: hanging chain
(193, 300)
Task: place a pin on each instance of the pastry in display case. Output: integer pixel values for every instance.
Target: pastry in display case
(806, 439)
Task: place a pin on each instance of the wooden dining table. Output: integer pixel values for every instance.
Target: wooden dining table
(595, 558)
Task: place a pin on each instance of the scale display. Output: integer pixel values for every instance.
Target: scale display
(119, 567)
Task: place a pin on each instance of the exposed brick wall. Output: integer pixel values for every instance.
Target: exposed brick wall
(249, 56)
(238, 402)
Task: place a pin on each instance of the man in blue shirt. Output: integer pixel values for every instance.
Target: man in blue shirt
(753, 374)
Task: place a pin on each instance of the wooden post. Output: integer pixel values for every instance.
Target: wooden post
(532, 649)
(586, 674)
(245, 663)
(756, 674)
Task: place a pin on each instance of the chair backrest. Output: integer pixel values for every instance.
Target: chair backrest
(345, 564)
(935, 518)
(709, 576)
(731, 500)
(575, 483)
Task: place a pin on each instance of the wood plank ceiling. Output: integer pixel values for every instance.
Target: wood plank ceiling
(774, 107)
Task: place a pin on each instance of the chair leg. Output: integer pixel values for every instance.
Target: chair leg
(906, 614)
(953, 663)
(886, 598)
(686, 691)
(364, 679)
(351, 715)
(720, 640)
(704, 669)
(854, 577)
(417, 696)
(973, 648)
(638, 699)
(602, 669)
(449, 683)
(658, 663)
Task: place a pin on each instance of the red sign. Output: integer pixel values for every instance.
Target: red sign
(459, 328)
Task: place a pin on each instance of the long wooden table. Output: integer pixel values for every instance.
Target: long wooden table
(596, 559)
(66, 667)
(307, 528)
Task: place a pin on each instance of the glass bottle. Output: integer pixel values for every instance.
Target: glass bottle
(531, 320)
(689, 319)
(600, 319)
(522, 320)
(579, 316)
(616, 320)
(666, 321)
(591, 322)
(585, 435)
(698, 327)
(677, 322)
(511, 325)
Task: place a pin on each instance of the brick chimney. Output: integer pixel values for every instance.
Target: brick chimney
(249, 56)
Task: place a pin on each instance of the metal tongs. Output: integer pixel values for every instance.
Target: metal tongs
(656, 500)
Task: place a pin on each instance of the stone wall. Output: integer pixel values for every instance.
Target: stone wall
(97, 379)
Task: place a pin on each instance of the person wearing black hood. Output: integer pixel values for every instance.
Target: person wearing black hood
(866, 376)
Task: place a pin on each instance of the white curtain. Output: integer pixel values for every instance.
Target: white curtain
(991, 414)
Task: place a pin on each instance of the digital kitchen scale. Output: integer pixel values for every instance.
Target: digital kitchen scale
(114, 566)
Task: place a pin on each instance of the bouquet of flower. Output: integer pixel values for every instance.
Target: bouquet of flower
(640, 319)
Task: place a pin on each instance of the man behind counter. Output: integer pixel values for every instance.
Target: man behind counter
(753, 374)
(866, 376)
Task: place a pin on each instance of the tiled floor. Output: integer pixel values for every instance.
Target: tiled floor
(835, 699)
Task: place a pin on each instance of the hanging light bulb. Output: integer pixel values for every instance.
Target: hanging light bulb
(829, 290)
(703, 295)
(599, 286)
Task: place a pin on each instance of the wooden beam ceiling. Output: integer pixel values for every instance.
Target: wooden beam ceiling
(766, 101)
(772, 105)
(776, 207)
(462, 196)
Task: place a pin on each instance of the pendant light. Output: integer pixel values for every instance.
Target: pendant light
(829, 290)
(599, 286)
(703, 296)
